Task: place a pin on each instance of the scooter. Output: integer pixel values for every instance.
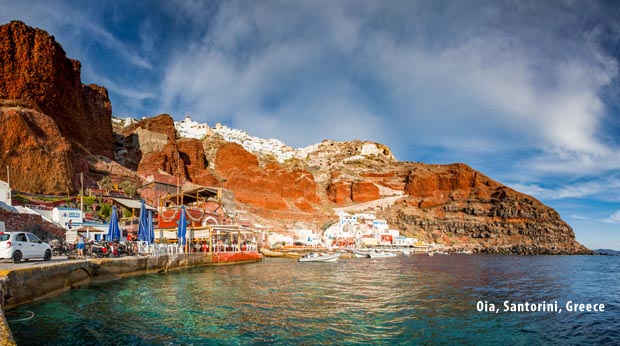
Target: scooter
(101, 249)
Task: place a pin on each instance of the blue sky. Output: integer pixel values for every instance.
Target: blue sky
(525, 91)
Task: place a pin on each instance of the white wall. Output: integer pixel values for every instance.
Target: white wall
(5, 192)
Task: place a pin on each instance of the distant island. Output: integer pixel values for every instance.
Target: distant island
(607, 252)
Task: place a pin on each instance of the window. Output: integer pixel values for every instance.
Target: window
(33, 238)
(20, 237)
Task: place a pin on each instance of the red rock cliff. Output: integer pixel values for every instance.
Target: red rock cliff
(35, 68)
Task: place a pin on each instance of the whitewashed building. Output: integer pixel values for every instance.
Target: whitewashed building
(380, 224)
(307, 237)
(67, 216)
(279, 239)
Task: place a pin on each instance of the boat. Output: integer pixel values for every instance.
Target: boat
(360, 253)
(270, 253)
(381, 254)
(316, 257)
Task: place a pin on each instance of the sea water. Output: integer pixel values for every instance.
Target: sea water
(393, 301)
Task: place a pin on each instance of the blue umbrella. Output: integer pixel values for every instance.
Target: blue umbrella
(114, 232)
(151, 228)
(182, 226)
(143, 228)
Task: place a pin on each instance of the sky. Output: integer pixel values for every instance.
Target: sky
(526, 92)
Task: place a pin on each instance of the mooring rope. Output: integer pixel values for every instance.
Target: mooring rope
(19, 313)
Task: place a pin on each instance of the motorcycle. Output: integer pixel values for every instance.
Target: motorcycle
(101, 249)
(60, 248)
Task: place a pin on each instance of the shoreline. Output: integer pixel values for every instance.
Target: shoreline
(29, 284)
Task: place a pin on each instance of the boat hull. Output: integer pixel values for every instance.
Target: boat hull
(323, 258)
(223, 258)
(360, 254)
(382, 255)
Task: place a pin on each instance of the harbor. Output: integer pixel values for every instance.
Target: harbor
(401, 300)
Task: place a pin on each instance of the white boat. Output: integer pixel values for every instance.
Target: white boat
(381, 254)
(315, 257)
(360, 253)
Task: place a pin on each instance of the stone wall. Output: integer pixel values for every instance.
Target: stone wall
(15, 222)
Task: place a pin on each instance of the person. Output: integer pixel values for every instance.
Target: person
(80, 246)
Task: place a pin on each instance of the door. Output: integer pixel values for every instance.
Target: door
(37, 249)
(22, 244)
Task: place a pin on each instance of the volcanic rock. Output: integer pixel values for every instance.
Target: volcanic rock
(271, 187)
(35, 68)
(39, 158)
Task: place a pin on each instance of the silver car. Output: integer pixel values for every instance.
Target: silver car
(23, 245)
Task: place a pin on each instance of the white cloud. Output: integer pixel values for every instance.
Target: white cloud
(614, 218)
(604, 188)
(476, 83)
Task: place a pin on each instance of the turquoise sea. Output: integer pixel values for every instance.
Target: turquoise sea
(395, 301)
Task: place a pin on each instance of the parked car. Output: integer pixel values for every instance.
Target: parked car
(23, 245)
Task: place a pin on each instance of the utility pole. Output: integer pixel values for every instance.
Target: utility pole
(9, 197)
(82, 195)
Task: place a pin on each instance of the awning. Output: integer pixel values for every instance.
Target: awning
(132, 204)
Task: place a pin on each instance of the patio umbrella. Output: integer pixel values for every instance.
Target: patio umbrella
(182, 226)
(114, 232)
(151, 228)
(143, 228)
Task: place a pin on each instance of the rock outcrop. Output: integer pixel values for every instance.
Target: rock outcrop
(52, 123)
(151, 145)
(271, 188)
(460, 207)
(36, 152)
(36, 68)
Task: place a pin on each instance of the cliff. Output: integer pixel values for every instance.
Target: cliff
(44, 102)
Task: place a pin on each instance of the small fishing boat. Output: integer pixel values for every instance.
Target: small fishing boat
(360, 253)
(381, 254)
(316, 257)
(271, 253)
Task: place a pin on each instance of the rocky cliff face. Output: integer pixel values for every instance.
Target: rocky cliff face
(458, 206)
(34, 148)
(46, 106)
(36, 68)
(270, 187)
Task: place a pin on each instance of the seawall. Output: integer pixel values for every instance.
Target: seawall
(31, 283)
